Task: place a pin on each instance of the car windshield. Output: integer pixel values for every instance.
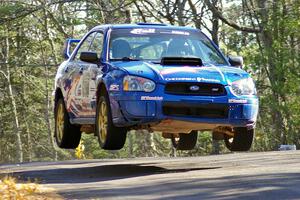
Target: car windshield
(151, 44)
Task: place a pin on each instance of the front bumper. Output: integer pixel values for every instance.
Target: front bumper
(139, 108)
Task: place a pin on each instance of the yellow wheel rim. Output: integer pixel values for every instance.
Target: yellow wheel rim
(60, 119)
(102, 121)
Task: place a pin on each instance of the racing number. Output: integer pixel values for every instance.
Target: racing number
(82, 100)
(79, 100)
(94, 70)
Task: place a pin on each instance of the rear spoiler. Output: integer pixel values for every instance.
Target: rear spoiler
(181, 61)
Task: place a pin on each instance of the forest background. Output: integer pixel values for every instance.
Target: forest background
(32, 33)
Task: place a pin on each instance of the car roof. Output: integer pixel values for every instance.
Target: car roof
(144, 25)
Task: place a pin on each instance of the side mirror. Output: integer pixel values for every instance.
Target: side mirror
(69, 46)
(90, 57)
(236, 61)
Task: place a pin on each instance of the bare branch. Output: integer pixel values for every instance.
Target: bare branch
(150, 12)
(5, 76)
(228, 22)
(24, 13)
(140, 11)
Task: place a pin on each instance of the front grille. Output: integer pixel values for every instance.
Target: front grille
(204, 89)
(178, 109)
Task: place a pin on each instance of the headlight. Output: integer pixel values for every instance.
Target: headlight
(135, 83)
(243, 87)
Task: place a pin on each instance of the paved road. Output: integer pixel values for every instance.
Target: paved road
(270, 175)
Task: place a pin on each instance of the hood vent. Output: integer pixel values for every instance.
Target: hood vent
(181, 61)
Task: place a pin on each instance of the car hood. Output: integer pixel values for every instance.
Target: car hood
(161, 73)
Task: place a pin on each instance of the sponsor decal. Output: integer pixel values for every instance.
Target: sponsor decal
(194, 88)
(175, 32)
(181, 79)
(215, 89)
(150, 98)
(199, 79)
(68, 84)
(237, 101)
(178, 69)
(180, 32)
(142, 30)
(114, 87)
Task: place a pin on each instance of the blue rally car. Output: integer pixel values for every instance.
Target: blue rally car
(168, 79)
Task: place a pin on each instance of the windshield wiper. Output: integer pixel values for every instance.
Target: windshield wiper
(155, 62)
(124, 59)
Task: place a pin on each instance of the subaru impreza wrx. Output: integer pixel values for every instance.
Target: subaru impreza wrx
(169, 79)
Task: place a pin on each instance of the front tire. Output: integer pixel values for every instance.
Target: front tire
(185, 141)
(66, 135)
(241, 141)
(109, 136)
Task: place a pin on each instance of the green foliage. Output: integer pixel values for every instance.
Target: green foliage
(8, 10)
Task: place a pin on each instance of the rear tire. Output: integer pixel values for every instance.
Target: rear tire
(185, 141)
(109, 136)
(241, 141)
(66, 135)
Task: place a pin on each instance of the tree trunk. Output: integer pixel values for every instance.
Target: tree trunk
(215, 25)
(24, 114)
(215, 38)
(145, 143)
(13, 102)
(47, 114)
(180, 15)
(268, 37)
(29, 144)
(128, 15)
(130, 144)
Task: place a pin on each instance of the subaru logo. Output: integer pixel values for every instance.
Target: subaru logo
(194, 88)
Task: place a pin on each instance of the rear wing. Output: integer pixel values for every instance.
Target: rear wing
(69, 46)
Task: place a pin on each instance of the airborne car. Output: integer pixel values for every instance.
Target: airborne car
(163, 78)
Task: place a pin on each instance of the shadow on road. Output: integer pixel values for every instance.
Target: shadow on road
(265, 187)
(96, 173)
(91, 182)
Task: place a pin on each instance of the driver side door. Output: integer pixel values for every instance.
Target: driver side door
(93, 70)
(79, 91)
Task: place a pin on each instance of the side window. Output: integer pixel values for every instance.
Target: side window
(85, 45)
(97, 44)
